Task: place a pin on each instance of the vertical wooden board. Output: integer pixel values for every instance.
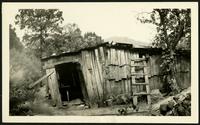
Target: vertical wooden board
(129, 65)
(103, 65)
(151, 65)
(154, 65)
(108, 88)
(93, 76)
(110, 72)
(49, 83)
(126, 63)
(121, 86)
(113, 56)
(123, 68)
(129, 71)
(134, 90)
(122, 56)
(129, 86)
(116, 73)
(87, 75)
(54, 88)
(98, 73)
(102, 54)
(109, 56)
(117, 87)
(118, 57)
(119, 63)
(83, 87)
(99, 67)
(111, 83)
(126, 86)
(157, 65)
(151, 83)
(136, 56)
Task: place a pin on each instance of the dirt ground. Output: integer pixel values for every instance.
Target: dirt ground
(43, 107)
(104, 111)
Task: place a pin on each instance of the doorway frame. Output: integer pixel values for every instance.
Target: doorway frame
(80, 75)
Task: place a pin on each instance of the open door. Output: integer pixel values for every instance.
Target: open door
(71, 82)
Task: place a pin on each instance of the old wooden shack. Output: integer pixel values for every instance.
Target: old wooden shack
(95, 73)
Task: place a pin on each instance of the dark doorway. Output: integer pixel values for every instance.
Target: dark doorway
(71, 83)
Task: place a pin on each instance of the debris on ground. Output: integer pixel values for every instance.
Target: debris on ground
(76, 104)
(178, 105)
(156, 96)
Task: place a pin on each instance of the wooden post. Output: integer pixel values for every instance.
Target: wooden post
(54, 88)
(134, 88)
(147, 81)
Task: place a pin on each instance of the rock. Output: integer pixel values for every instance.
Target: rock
(156, 92)
(169, 113)
(181, 110)
(188, 96)
(109, 102)
(170, 105)
(163, 109)
(76, 102)
(122, 111)
(156, 95)
(86, 107)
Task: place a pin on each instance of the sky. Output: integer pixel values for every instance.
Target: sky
(106, 20)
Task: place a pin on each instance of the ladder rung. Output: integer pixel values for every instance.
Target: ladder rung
(138, 65)
(141, 93)
(139, 59)
(139, 74)
(135, 84)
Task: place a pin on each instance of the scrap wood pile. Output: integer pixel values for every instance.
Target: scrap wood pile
(178, 105)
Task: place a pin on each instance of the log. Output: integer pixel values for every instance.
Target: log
(181, 96)
(39, 80)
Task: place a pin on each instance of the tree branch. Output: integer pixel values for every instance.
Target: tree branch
(180, 32)
(162, 23)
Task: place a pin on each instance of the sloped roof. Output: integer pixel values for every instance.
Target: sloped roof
(110, 45)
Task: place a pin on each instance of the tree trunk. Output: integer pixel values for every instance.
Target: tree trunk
(172, 75)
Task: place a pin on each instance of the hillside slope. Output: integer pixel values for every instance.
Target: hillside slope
(135, 43)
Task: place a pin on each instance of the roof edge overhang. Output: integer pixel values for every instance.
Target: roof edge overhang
(115, 45)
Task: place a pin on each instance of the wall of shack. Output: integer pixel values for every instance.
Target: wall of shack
(107, 71)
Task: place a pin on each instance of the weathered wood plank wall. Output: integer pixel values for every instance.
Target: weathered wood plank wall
(117, 72)
(183, 68)
(92, 66)
(54, 87)
(106, 71)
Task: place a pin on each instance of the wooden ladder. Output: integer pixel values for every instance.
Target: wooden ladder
(135, 85)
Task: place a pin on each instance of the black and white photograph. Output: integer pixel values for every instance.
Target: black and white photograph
(120, 62)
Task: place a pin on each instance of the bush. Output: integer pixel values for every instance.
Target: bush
(24, 69)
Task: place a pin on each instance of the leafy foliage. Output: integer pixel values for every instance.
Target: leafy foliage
(91, 39)
(173, 32)
(45, 35)
(24, 69)
(71, 39)
(14, 40)
(39, 24)
(173, 27)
